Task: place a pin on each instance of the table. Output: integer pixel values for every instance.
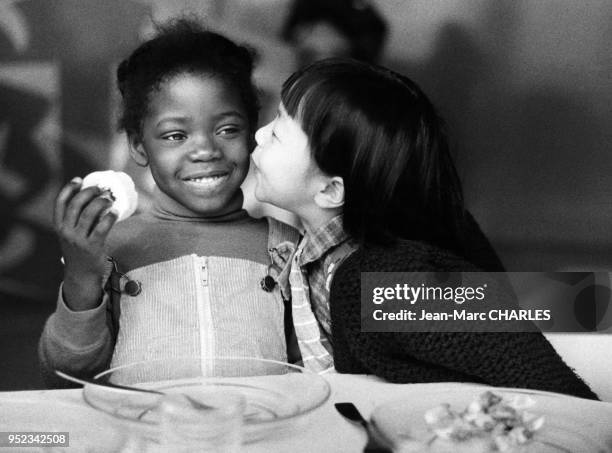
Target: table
(329, 432)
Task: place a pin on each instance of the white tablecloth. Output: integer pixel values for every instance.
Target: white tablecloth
(328, 432)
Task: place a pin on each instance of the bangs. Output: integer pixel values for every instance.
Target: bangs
(308, 98)
(319, 100)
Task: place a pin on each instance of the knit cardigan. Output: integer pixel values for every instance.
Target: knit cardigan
(522, 360)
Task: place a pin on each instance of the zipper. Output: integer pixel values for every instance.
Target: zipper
(204, 272)
(207, 337)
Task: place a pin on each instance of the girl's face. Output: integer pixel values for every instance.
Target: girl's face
(285, 171)
(196, 140)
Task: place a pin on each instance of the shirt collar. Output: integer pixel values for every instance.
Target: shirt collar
(324, 238)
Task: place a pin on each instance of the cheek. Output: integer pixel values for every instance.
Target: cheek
(272, 166)
(243, 163)
(159, 165)
(240, 157)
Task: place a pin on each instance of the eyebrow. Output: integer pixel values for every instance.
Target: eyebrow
(218, 117)
(281, 113)
(277, 130)
(177, 119)
(229, 113)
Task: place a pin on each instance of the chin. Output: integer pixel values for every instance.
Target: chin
(211, 209)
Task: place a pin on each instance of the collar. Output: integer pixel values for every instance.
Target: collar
(324, 238)
(234, 216)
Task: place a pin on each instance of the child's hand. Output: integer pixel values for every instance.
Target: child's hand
(82, 223)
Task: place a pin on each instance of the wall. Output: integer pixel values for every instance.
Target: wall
(525, 87)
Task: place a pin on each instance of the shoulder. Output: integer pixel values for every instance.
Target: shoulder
(403, 256)
(406, 256)
(128, 231)
(280, 232)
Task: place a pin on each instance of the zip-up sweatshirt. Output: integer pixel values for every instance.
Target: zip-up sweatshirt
(200, 296)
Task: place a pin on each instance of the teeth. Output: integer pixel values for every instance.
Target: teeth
(207, 181)
(207, 178)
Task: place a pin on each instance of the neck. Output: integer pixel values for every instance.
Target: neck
(166, 208)
(314, 220)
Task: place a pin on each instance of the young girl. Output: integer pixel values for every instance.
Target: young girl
(358, 153)
(186, 276)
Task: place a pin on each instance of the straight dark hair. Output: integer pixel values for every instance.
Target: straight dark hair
(377, 130)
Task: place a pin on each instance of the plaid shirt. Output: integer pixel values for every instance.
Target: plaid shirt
(322, 253)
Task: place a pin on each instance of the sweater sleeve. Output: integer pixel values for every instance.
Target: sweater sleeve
(79, 343)
(507, 359)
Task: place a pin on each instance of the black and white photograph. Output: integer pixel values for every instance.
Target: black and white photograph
(310, 226)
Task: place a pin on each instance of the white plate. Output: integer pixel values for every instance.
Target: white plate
(571, 424)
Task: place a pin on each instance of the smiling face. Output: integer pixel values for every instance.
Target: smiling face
(286, 174)
(195, 139)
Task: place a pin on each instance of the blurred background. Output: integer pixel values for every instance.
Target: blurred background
(524, 85)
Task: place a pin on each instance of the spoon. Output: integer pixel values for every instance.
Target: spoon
(350, 412)
(85, 381)
(150, 405)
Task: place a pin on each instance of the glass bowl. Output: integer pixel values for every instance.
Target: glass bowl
(280, 397)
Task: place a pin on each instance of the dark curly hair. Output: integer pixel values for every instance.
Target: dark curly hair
(183, 45)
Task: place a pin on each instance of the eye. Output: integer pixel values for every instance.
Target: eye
(174, 136)
(229, 131)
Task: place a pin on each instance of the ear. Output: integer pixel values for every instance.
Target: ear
(331, 196)
(137, 151)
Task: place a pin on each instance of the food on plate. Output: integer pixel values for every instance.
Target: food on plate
(120, 189)
(490, 423)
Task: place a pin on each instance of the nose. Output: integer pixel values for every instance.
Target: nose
(255, 155)
(263, 134)
(204, 148)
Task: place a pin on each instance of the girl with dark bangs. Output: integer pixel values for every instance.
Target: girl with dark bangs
(359, 154)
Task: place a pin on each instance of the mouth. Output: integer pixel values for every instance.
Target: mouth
(207, 181)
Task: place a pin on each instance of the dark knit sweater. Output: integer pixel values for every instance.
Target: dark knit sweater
(523, 360)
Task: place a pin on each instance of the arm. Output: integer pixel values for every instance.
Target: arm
(525, 360)
(79, 343)
(507, 359)
(77, 337)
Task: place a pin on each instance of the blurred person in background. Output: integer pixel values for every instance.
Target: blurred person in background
(335, 28)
